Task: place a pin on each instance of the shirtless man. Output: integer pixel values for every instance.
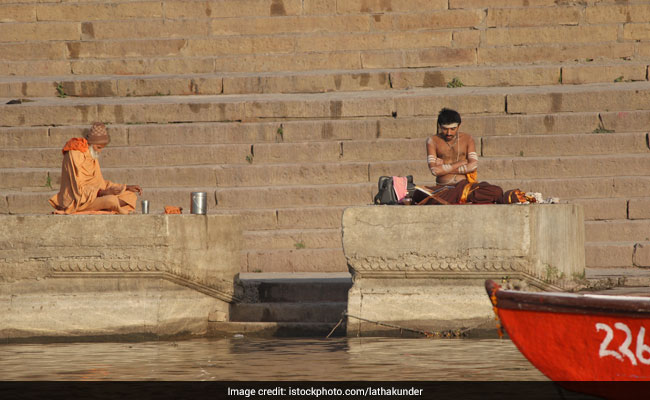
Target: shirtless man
(451, 154)
(452, 159)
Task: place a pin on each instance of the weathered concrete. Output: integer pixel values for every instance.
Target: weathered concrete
(105, 275)
(423, 267)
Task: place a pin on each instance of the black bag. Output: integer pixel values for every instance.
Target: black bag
(386, 193)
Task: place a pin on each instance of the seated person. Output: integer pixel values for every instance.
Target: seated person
(83, 188)
(452, 159)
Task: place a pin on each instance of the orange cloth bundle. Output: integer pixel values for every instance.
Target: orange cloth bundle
(173, 210)
(79, 144)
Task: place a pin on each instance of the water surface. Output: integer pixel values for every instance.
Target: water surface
(373, 359)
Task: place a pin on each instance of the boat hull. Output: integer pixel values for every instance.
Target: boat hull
(581, 347)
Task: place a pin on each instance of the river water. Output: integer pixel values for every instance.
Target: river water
(248, 359)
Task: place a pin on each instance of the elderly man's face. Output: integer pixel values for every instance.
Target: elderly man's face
(98, 147)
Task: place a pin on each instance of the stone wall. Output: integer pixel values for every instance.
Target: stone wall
(424, 266)
(104, 275)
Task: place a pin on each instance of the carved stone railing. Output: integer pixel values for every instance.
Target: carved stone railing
(424, 267)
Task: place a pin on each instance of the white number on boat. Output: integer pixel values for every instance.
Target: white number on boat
(603, 352)
(641, 347)
(625, 347)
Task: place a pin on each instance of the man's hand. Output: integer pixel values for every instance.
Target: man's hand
(134, 188)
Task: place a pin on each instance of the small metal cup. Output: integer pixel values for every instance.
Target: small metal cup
(145, 206)
(198, 203)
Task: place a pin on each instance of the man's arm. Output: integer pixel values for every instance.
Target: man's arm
(437, 165)
(472, 158)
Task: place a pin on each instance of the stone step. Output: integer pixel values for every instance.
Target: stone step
(618, 254)
(564, 145)
(395, 103)
(338, 195)
(295, 260)
(618, 231)
(288, 312)
(493, 129)
(295, 287)
(314, 81)
(292, 239)
(275, 329)
(334, 172)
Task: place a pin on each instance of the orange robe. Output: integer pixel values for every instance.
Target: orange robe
(81, 180)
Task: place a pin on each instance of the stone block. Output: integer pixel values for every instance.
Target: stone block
(581, 74)
(603, 209)
(253, 219)
(617, 13)
(317, 107)
(384, 150)
(291, 174)
(202, 133)
(306, 83)
(165, 110)
(37, 113)
(239, 46)
(146, 66)
(581, 188)
(379, 6)
(319, 7)
(99, 88)
(4, 205)
(621, 96)
(295, 196)
(439, 20)
(292, 239)
(300, 131)
(551, 34)
(639, 208)
(23, 137)
(143, 156)
(26, 202)
(553, 52)
(395, 266)
(125, 49)
(98, 11)
(292, 24)
(32, 51)
(459, 99)
(642, 255)
(310, 218)
(17, 13)
(504, 76)
(618, 230)
(17, 180)
(372, 41)
(431, 57)
(296, 152)
(626, 121)
(170, 86)
(605, 255)
(562, 145)
(146, 28)
(34, 68)
(417, 168)
(162, 176)
(231, 8)
(280, 62)
(112, 277)
(35, 32)
(466, 38)
(636, 31)
(530, 16)
(499, 3)
(304, 260)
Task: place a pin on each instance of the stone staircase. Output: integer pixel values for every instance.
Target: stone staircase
(287, 111)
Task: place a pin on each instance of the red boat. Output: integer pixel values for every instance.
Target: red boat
(578, 337)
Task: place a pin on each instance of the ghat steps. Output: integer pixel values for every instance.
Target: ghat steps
(287, 111)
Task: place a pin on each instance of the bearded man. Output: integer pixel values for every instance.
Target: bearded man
(83, 188)
(452, 159)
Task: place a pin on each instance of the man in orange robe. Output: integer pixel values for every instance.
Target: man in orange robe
(83, 188)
